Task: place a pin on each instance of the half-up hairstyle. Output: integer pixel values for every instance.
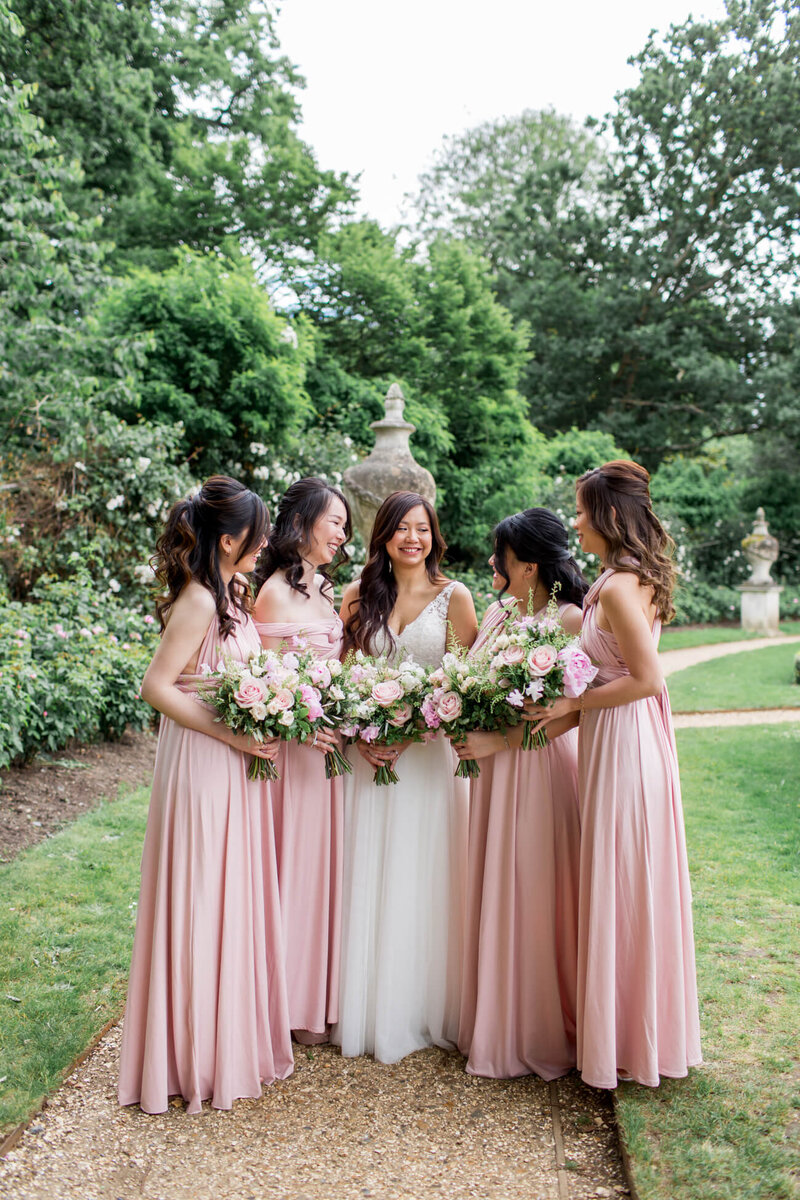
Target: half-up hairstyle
(616, 499)
(299, 509)
(369, 615)
(188, 549)
(538, 536)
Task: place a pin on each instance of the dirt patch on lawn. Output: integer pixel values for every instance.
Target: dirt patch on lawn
(40, 798)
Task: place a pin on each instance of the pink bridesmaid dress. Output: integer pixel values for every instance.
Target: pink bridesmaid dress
(637, 994)
(206, 1016)
(307, 811)
(519, 980)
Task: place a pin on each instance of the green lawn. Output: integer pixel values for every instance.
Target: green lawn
(67, 914)
(731, 1131)
(711, 635)
(751, 679)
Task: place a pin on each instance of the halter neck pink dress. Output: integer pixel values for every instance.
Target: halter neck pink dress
(307, 810)
(520, 960)
(637, 994)
(206, 1016)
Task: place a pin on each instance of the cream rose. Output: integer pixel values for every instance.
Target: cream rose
(250, 692)
(448, 706)
(542, 659)
(387, 692)
(281, 701)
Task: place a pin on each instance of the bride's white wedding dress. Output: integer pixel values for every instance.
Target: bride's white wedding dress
(405, 850)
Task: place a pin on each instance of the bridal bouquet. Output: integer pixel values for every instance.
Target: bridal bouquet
(387, 704)
(537, 659)
(462, 697)
(279, 695)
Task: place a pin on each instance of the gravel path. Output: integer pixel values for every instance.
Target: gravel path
(676, 660)
(338, 1128)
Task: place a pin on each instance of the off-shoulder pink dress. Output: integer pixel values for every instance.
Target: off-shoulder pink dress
(520, 960)
(206, 1016)
(307, 810)
(637, 994)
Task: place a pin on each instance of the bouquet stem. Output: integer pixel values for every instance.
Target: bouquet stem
(468, 768)
(385, 774)
(336, 764)
(531, 740)
(262, 768)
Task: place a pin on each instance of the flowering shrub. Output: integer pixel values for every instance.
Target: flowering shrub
(71, 665)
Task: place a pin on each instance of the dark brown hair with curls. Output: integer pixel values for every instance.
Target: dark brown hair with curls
(188, 549)
(377, 586)
(300, 507)
(616, 498)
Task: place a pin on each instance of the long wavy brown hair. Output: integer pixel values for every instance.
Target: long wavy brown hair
(616, 499)
(370, 612)
(188, 549)
(300, 507)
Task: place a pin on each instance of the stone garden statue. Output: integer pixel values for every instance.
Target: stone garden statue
(760, 594)
(390, 467)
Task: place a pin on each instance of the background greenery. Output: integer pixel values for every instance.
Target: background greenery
(184, 289)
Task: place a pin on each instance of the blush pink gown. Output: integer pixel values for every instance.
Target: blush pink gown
(520, 963)
(307, 811)
(206, 1016)
(637, 995)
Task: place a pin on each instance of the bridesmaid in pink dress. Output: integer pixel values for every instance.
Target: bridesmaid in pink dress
(206, 1016)
(637, 994)
(295, 601)
(519, 981)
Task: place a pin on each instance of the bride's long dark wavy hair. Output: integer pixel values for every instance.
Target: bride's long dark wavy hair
(616, 500)
(538, 536)
(299, 509)
(370, 613)
(188, 549)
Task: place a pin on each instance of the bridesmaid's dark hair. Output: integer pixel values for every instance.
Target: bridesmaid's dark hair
(299, 509)
(616, 499)
(538, 536)
(188, 549)
(371, 610)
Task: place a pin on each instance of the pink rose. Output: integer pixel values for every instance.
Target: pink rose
(311, 698)
(542, 659)
(402, 715)
(281, 701)
(448, 706)
(387, 692)
(429, 713)
(319, 674)
(249, 692)
(512, 656)
(579, 670)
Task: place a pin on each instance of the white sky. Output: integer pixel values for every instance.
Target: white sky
(387, 81)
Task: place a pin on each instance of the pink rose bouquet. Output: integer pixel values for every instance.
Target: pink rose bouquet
(461, 698)
(288, 695)
(386, 703)
(539, 660)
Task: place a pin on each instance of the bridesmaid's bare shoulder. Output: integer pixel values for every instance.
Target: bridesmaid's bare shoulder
(572, 618)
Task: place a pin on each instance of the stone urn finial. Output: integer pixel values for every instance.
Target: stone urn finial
(390, 467)
(760, 550)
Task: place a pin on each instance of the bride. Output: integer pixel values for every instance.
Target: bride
(404, 843)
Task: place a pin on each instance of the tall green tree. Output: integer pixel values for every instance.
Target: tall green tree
(183, 115)
(382, 312)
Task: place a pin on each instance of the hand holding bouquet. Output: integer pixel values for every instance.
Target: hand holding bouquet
(460, 699)
(387, 704)
(274, 695)
(537, 660)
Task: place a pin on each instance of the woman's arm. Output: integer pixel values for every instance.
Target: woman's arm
(462, 622)
(190, 617)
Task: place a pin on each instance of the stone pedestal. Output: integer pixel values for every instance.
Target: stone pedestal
(761, 608)
(390, 467)
(760, 596)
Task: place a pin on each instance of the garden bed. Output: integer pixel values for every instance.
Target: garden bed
(38, 799)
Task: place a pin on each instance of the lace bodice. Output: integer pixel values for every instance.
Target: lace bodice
(425, 638)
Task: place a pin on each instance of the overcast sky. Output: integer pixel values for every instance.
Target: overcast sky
(387, 81)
